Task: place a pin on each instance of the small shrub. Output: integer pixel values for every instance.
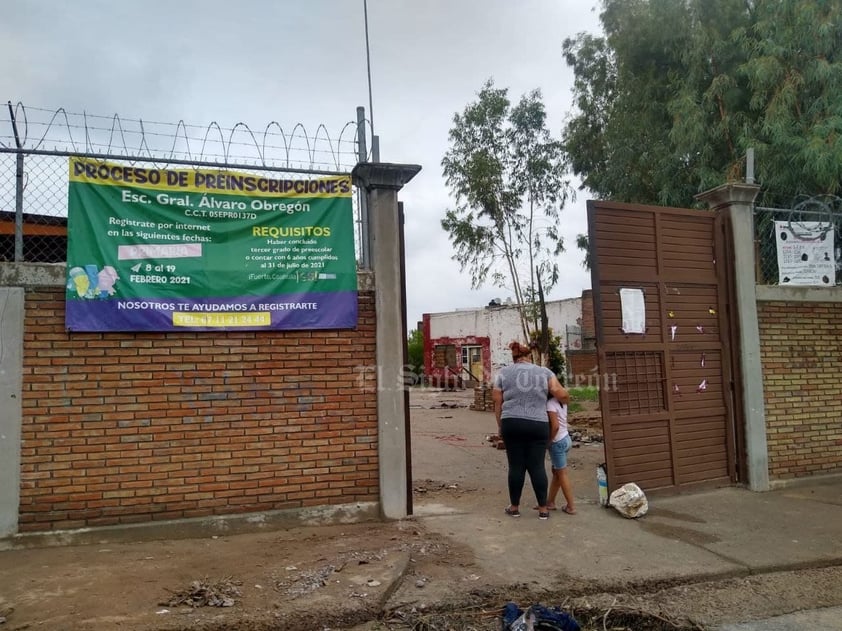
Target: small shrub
(584, 393)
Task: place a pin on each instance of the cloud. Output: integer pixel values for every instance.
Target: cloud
(258, 61)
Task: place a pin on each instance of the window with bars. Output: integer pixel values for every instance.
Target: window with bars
(444, 355)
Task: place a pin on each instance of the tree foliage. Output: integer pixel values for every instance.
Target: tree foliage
(505, 173)
(555, 355)
(415, 347)
(674, 92)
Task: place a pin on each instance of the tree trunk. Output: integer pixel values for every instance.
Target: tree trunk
(544, 340)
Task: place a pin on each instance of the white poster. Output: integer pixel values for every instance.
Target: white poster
(634, 310)
(805, 253)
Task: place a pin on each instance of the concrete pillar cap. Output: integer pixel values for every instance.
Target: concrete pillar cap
(731, 193)
(387, 175)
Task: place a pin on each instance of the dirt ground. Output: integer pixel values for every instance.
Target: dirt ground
(441, 418)
(457, 476)
(454, 464)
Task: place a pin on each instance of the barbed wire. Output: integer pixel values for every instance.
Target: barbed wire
(40, 129)
(36, 144)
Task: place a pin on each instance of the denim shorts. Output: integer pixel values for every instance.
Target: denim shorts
(558, 452)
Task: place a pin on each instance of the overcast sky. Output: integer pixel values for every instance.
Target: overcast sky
(257, 61)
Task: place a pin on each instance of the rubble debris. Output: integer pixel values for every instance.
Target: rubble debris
(630, 501)
(482, 398)
(204, 593)
(584, 436)
(496, 441)
(451, 438)
(431, 486)
(306, 582)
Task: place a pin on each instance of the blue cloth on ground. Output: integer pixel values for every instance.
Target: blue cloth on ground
(546, 618)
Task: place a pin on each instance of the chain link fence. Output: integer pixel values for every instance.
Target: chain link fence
(44, 204)
(799, 245)
(36, 145)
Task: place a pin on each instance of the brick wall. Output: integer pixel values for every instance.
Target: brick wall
(801, 354)
(588, 321)
(133, 427)
(582, 368)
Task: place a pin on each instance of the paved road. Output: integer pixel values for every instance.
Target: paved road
(829, 619)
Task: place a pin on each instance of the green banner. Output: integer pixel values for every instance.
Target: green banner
(162, 250)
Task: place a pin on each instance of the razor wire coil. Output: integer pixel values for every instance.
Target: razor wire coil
(45, 139)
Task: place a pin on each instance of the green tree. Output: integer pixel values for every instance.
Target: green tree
(555, 356)
(505, 173)
(415, 346)
(670, 97)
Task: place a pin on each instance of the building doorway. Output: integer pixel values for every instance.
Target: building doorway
(472, 360)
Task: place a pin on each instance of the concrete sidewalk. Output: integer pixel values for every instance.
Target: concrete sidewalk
(697, 557)
(722, 532)
(829, 619)
(345, 574)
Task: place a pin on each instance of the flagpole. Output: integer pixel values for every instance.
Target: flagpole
(368, 67)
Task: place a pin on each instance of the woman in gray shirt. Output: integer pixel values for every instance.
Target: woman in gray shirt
(520, 404)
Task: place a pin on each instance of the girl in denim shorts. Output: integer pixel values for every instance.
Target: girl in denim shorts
(559, 447)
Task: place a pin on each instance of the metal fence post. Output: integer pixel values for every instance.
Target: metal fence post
(362, 156)
(18, 188)
(19, 207)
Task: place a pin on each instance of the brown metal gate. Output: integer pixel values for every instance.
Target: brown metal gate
(666, 395)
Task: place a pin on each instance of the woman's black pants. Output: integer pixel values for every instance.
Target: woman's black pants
(526, 444)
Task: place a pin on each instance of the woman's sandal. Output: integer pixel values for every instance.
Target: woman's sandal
(512, 512)
(568, 510)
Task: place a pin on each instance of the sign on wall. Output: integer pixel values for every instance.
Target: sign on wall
(805, 253)
(176, 250)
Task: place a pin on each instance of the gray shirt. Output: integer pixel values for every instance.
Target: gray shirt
(525, 387)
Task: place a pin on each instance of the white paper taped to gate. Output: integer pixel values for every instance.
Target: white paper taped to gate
(634, 310)
(805, 253)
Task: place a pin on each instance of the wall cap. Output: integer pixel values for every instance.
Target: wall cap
(32, 274)
(776, 293)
